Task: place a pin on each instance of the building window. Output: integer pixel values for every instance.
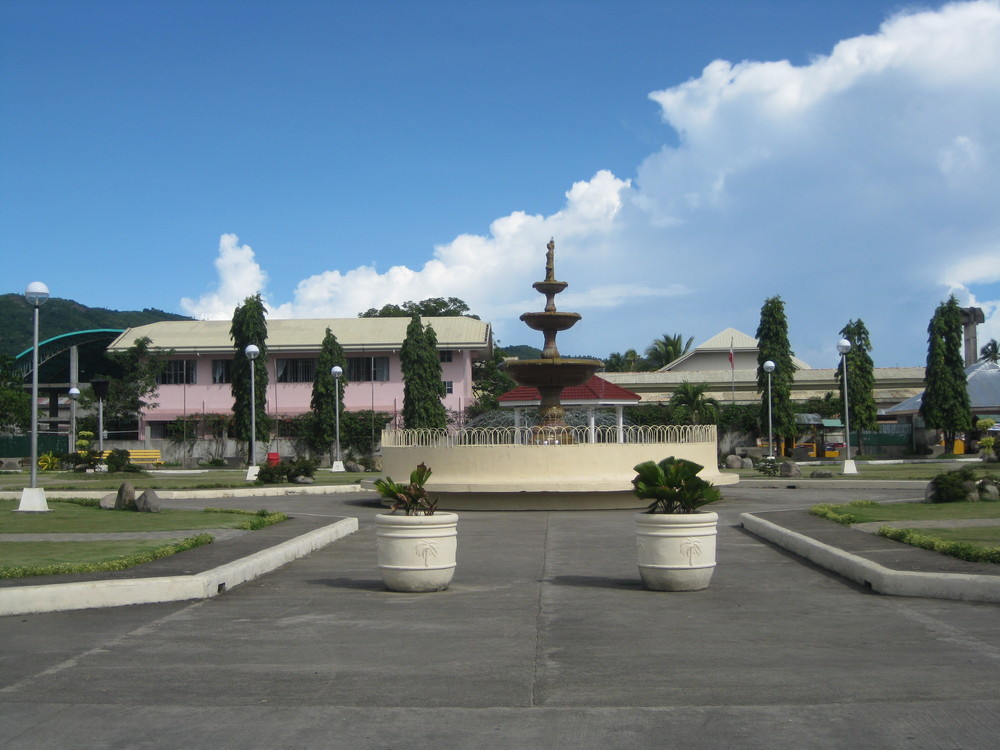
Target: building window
(222, 371)
(178, 372)
(295, 370)
(366, 369)
(449, 387)
(445, 355)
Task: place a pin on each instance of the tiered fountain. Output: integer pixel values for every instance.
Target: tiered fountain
(552, 373)
(551, 466)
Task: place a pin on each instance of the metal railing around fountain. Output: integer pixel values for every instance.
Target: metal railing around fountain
(579, 435)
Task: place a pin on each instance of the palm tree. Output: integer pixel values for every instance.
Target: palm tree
(990, 352)
(666, 349)
(692, 406)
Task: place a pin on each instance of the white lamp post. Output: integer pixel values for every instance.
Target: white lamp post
(844, 346)
(33, 497)
(74, 394)
(769, 368)
(337, 371)
(253, 351)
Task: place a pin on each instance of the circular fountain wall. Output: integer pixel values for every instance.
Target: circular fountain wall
(552, 465)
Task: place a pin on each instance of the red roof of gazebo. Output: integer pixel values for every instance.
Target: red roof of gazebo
(596, 390)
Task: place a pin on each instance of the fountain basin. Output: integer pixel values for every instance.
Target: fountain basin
(551, 321)
(488, 470)
(547, 373)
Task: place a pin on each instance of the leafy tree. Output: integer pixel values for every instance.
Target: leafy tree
(990, 352)
(862, 413)
(666, 349)
(433, 307)
(489, 382)
(135, 386)
(741, 418)
(423, 388)
(828, 407)
(325, 401)
(945, 405)
(772, 344)
(249, 327)
(630, 361)
(690, 405)
(360, 430)
(15, 402)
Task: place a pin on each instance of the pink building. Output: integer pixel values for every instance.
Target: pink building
(198, 375)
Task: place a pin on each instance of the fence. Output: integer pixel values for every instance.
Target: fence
(559, 436)
(19, 446)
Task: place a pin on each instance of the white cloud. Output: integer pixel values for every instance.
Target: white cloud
(860, 185)
(239, 277)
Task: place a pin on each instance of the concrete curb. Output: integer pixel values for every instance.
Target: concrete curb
(964, 587)
(59, 597)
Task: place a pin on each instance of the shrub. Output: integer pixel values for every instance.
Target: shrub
(769, 467)
(950, 486)
(119, 460)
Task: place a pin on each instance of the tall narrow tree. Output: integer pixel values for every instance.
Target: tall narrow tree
(772, 344)
(326, 400)
(862, 412)
(423, 388)
(945, 405)
(249, 327)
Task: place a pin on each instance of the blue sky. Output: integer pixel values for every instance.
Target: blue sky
(691, 159)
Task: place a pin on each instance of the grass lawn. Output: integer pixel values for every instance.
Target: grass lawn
(915, 471)
(73, 518)
(211, 479)
(19, 559)
(974, 543)
(920, 511)
(40, 554)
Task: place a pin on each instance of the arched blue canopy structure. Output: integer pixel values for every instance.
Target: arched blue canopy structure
(58, 344)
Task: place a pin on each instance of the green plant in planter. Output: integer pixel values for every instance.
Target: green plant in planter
(673, 486)
(411, 498)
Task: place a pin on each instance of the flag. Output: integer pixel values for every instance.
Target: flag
(732, 358)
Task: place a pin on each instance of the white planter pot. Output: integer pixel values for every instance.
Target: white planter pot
(416, 553)
(676, 551)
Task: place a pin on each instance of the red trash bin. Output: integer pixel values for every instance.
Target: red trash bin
(273, 459)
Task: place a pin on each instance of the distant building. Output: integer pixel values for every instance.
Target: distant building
(199, 370)
(735, 381)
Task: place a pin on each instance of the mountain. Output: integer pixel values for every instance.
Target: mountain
(59, 316)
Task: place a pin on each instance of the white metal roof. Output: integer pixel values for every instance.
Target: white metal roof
(298, 335)
(724, 341)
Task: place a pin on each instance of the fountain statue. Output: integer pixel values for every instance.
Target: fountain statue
(552, 465)
(551, 373)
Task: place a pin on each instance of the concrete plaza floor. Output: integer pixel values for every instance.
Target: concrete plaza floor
(545, 639)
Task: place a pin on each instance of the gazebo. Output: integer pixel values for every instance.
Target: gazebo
(593, 394)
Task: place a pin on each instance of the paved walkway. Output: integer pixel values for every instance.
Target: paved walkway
(545, 639)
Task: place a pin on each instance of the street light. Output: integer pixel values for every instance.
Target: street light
(769, 368)
(844, 346)
(74, 394)
(253, 351)
(33, 497)
(337, 371)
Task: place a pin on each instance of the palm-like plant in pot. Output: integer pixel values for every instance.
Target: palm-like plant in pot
(675, 540)
(416, 551)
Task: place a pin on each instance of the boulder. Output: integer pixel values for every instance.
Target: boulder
(929, 493)
(303, 479)
(988, 491)
(125, 499)
(734, 462)
(747, 463)
(971, 491)
(821, 474)
(789, 469)
(148, 502)
(353, 466)
(108, 501)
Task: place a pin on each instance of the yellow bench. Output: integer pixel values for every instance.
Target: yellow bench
(140, 456)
